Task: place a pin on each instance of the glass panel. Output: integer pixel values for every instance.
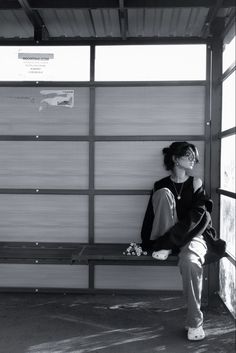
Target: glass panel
(44, 110)
(44, 218)
(43, 164)
(150, 110)
(133, 165)
(228, 103)
(228, 163)
(45, 63)
(228, 285)
(150, 62)
(229, 49)
(227, 223)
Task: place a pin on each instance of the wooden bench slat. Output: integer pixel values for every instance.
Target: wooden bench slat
(114, 252)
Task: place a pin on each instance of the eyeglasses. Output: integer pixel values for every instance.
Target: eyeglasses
(191, 157)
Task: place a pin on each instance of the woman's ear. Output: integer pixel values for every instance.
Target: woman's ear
(175, 160)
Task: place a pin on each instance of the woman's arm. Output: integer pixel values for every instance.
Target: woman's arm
(197, 184)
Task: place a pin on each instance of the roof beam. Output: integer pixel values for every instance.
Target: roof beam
(40, 30)
(109, 41)
(95, 4)
(176, 3)
(212, 14)
(9, 5)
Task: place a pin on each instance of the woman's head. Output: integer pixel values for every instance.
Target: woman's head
(179, 152)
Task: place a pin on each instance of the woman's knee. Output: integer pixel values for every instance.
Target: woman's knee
(163, 196)
(190, 260)
(163, 192)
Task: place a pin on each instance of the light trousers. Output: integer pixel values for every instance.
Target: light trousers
(191, 256)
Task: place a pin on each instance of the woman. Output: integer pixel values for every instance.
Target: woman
(178, 220)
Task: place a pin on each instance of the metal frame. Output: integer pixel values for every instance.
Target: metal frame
(229, 132)
(92, 138)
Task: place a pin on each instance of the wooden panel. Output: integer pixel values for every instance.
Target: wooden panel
(150, 110)
(133, 165)
(44, 218)
(43, 164)
(44, 111)
(118, 219)
(39, 276)
(137, 277)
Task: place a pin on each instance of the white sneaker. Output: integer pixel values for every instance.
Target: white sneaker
(161, 254)
(196, 334)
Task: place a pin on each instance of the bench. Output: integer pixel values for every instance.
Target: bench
(83, 254)
(113, 253)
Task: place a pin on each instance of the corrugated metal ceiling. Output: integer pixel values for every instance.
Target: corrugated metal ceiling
(86, 20)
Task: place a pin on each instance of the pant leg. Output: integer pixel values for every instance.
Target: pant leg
(164, 208)
(191, 260)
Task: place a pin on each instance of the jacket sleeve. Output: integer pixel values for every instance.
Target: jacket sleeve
(196, 222)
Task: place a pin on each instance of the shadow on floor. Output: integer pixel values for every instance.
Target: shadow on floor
(79, 323)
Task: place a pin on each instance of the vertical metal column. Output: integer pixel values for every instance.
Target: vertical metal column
(216, 107)
(91, 146)
(207, 166)
(91, 160)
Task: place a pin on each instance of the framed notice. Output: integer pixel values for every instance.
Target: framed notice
(45, 63)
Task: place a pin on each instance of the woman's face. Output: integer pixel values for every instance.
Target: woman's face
(187, 161)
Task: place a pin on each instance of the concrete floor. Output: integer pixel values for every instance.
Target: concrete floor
(82, 323)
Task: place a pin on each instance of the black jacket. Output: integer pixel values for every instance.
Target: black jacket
(196, 222)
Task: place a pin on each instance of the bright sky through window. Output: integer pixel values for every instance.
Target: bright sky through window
(150, 62)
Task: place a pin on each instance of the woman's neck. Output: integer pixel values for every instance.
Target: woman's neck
(178, 175)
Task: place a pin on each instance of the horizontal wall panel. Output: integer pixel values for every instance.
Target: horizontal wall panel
(133, 165)
(41, 164)
(118, 219)
(43, 276)
(44, 218)
(44, 111)
(150, 110)
(137, 277)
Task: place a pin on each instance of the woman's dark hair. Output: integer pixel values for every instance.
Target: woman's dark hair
(178, 149)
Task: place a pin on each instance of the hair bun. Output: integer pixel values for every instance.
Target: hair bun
(166, 150)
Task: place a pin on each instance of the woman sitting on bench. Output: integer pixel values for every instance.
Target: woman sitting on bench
(177, 220)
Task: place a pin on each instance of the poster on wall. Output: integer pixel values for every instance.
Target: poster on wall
(44, 63)
(56, 98)
(34, 64)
